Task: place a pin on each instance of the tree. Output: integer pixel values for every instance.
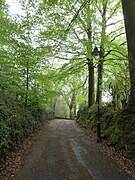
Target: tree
(129, 18)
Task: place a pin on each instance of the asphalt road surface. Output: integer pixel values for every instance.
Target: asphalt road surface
(64, 151)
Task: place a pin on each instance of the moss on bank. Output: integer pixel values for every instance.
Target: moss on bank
(16, 123)
(118, 127)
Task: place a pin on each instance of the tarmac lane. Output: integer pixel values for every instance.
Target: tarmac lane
(64, 151)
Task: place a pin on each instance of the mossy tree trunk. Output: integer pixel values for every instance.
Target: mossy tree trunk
(129, 18)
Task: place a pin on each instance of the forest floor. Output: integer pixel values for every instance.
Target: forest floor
(61, 150)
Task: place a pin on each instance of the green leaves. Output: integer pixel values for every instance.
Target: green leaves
(44, 53)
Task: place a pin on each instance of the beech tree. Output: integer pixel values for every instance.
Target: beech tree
(87, 29)
(37, 51)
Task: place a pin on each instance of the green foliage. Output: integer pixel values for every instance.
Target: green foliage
(43, 59)
(17, 123)
(26, 91)
(121, 132)
(117, 126)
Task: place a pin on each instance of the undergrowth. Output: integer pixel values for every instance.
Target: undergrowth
(117, 126)
(16, 123)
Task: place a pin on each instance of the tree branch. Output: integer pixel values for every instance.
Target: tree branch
(123, 43)
(76, 15)
(117, 36)
(114, 23)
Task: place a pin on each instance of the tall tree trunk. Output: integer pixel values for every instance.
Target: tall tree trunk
(90, 71)
(129, 18)
(90, 83)
(27, 60)
(71, 106)
(54, 107)
(27, 83)
(74, 111)
(99, 82)
(101, 54)
(70, 112)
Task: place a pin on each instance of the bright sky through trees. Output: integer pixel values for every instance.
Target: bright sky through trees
(15, 7)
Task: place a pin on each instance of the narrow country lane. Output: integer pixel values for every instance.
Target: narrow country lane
(63, 152)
